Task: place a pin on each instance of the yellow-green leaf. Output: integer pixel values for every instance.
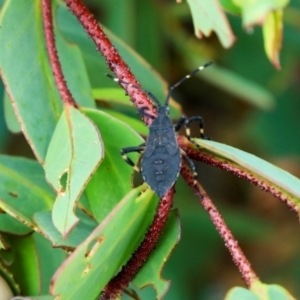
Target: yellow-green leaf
(272, 31)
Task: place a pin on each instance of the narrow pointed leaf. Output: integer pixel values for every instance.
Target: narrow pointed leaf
(88, 269)
(74, 153)
(272, 31)
(25, 267)
(284, 184)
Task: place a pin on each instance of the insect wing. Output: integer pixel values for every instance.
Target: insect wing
(160, 170)
(171, 144)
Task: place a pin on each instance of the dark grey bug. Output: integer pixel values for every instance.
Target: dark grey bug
(161, 158)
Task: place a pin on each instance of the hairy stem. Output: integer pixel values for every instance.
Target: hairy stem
(139, 257)
(60, 81)
(193, 152)
(112, 57)
(237, 254)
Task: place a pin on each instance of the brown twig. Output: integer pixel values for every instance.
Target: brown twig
(139, 257)
(112, 57)
(237, 254)
(61, 84)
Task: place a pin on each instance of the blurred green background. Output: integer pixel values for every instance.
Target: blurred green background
(246, 103)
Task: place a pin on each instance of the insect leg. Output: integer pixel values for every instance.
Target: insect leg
(201, 127)
(124, 151)
(191, 165)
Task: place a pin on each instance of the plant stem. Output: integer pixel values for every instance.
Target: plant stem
(60, 81)
(112, 57)
(193, 152)
(237, 254)
(139, 257)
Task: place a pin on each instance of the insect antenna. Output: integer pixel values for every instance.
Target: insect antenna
(151, 96)
(173, 87)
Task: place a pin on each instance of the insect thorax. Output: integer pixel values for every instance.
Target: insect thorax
(161, 122)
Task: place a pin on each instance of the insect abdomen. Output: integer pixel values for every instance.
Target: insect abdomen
(161, 169)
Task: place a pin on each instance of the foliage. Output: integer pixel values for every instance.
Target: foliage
(70, 216)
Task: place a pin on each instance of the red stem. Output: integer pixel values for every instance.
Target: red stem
(112, 57)
(139, 257)
(209, 159)
(140, 100)
(237, 254)
(61, 84)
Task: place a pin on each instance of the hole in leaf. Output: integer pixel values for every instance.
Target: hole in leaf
(63, 181)
(93, 246)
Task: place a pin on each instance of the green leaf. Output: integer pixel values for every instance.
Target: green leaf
(272, 31)
(88, 269)
(74, 153)
(27, 75)
(49, 259)
(207, 17)
(150, 273)
(26, 265)
(77, 236)
(259, 291)
(229, 6)
(33, 264)
(238, 293)
(112, 180)
(23, 191)
(255, 11)
(21, 71)
(282, 182)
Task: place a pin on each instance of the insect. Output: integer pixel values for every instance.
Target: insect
(161, 155)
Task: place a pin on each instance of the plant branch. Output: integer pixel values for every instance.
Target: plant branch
(61, 84)
(112, 57)
(140, 256)
(237, 254)
(193, 152)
